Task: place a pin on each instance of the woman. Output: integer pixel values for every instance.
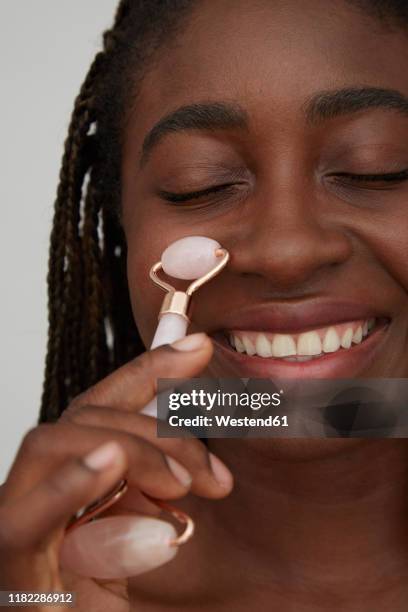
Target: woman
(278, 128)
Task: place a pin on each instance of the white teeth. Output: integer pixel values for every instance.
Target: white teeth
(331, 342)
(347, 338)
(309, 343)
(358, 335)
(263, 346)
(249, 347)
(283, 345)
(239, 345)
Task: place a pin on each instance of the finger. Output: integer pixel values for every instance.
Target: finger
(49, 445)
(134, 384)
(210, 477)
(132, 501)
(76, 483)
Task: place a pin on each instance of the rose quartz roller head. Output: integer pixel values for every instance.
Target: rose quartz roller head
(123, 546)
(194, 258)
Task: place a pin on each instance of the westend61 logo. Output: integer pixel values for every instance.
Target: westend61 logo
(207, 400)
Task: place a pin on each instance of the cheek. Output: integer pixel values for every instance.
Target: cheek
(386, 234)
(145, 300)
(394, 239)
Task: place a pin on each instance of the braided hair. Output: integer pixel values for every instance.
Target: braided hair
(91, 328)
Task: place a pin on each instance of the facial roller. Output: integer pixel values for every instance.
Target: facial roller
(123, 546)
(195, 258)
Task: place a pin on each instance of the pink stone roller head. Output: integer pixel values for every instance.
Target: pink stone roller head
(194, 258)
(123, 546)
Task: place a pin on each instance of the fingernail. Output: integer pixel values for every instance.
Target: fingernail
(222, 474)
(179, 471)
(103, 456)
(190, 343)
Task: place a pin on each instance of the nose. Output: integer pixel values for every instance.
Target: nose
(293, 243)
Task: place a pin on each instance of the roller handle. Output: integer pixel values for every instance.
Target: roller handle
(171, 327)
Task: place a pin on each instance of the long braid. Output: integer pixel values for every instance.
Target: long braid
(93, 344)
(64, 277)
(64, 253)
(74, 264)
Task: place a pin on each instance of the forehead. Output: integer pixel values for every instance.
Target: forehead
(271, 56)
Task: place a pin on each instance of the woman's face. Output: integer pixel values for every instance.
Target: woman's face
(292, 106)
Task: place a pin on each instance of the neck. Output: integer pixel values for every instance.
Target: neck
(327, 520)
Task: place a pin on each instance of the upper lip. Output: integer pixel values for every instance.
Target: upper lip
(297, 317)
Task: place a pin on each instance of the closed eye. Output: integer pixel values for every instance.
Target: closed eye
(389, 177)
(191, 195)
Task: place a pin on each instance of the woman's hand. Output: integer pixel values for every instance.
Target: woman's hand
(55, 472)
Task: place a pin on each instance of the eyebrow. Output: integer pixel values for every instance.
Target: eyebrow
(226, 115)
(200, 116)
(331, 104)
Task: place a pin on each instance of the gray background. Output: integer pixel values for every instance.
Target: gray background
(46, 47)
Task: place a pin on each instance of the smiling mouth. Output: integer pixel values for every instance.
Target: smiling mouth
(304, 346)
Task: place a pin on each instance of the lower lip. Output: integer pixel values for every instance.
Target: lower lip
(345, 363)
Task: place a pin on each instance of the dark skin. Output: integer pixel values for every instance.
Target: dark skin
(322, 538)
(310, 525)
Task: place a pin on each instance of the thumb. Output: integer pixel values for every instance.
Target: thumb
(134, 384)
